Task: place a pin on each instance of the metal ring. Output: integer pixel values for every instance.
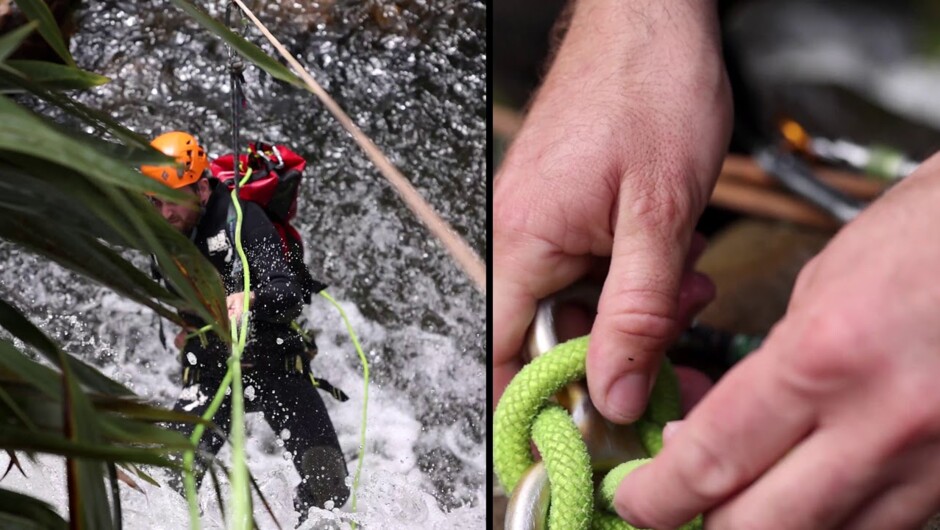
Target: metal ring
(608, 444)
(528, 505)
(542, 333)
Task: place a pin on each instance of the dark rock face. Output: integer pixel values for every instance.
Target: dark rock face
(35, 47)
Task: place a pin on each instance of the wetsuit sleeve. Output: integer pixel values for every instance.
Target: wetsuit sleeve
(278, 298)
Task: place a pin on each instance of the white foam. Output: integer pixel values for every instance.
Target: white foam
(394, 493)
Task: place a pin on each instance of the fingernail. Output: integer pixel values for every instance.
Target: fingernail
(670, 429)
(622, 512)
(627, 396)
(697, 285)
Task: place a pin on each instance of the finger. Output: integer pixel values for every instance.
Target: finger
(693, 385)
(526, 269)
(724, 444)
(816, 485)
(636, 319)
(908, 500)
(601, 266)
(696, 249)
(695, 292)
(907, 506)
(670, 429)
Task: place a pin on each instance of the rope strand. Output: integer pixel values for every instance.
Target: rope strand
(365, 396)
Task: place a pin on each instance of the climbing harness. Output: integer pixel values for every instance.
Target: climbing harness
(574, 444)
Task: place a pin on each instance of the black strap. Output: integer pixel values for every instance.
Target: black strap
(158, 277)
(325, 386)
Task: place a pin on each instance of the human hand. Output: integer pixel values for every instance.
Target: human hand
(236, 304)
(180, 339)
(617, 158)
(573, 320)
(835, 421)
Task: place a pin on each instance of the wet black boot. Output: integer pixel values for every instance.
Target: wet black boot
(323, 481)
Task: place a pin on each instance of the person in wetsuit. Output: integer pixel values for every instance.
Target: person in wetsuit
(276, 371)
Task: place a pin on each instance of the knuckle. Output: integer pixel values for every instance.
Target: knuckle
(654, 208)
(671, 201)
(563, 219)
(709, 474)
(646, 315)
(834, 348)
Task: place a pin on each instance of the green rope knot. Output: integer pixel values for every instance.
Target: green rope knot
(526, 413)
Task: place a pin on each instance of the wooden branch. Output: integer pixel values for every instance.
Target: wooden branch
(765, 202)
(746, 169)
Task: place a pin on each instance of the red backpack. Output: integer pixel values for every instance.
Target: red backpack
(276, 174)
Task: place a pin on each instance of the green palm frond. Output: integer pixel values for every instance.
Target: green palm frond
(78, 200)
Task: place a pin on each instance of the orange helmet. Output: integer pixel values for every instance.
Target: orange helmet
(188, 153)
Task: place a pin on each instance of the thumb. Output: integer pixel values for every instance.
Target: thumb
(180, 339)
(525, 270)
(637, 318)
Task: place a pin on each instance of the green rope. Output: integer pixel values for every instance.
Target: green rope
(240, 487)
(240, 484)
(524, 413)
(564, 453)
(189, 478)
(365, 396)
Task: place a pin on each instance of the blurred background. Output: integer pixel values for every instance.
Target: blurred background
(834, 102)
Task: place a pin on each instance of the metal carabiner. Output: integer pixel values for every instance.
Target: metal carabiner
(528, 506)
(280, 159)
(608, 444)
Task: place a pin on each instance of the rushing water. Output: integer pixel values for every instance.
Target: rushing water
(412, 75)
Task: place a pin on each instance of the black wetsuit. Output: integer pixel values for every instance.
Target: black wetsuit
(276, 372)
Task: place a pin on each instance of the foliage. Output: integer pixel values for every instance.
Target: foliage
(77, 199)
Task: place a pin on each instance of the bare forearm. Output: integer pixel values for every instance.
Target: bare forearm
(617, 157)
(617, 37)
(630, 73)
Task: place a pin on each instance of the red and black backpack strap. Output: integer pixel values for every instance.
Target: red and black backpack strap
(293, 253)
(276, 175)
